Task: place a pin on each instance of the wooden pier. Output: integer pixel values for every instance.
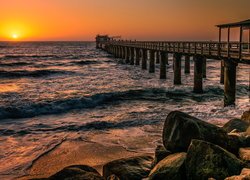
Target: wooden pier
(228, 52)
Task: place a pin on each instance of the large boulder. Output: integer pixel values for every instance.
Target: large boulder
(244, 154)
(170, 168)
(236, 124)
(206, 160)
(244, 175)
(246, 116)
(160, 153)
(133, 168)
(77, 172)
(180, 128)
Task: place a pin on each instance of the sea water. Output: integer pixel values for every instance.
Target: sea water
(56, 91)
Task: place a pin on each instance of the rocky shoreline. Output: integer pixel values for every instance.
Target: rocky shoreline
(191, 149)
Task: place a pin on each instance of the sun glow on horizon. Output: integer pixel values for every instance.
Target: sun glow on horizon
(15, 30)
(15, 36)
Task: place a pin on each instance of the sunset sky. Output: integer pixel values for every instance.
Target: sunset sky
(32, 20)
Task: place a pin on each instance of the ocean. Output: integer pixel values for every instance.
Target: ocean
(51, 92)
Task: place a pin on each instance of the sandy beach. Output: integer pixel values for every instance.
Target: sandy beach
(76, 152)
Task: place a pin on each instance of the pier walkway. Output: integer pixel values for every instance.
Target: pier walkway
(228, 52)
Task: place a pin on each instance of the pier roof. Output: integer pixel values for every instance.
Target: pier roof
(245, 24)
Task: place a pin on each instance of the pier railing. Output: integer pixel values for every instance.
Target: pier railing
(218, 50)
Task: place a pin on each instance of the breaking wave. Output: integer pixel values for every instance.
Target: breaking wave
(57, 106)
(35, 73)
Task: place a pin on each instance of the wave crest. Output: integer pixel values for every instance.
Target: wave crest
(35, 74)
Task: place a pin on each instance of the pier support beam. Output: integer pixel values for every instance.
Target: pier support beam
(137, 56)
(132, 56)
(204, 67)
(114, 51)
(158, 54)
(177, 68)
(163, 62)
(229, 82)
(198, 75)
(119, 51)
(222, 72)
(97, 45)
(123, 53)
(187, 64)
(152, 62)
(127, 55)
(144, 58)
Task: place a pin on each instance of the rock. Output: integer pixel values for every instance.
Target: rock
(237, 125)
(160, 153)
(244, 154)
(244, 175)
(206, 160)
(248, 131)
(180, 128)
(241, 139)
(170, 168)
(77, 172)
(133, 168)
(113, 177)
(246, 116)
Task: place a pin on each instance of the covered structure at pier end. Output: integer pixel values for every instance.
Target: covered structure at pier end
(232, 50)
(100, 40)
(235, 48)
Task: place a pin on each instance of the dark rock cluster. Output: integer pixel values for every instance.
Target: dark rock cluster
(192, 149)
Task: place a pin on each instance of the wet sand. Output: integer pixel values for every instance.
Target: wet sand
(76, 152)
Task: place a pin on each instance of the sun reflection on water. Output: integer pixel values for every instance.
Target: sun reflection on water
(8, 88)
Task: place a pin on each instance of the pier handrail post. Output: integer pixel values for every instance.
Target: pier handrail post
(228, 42)
(240, 43)
(219, 44)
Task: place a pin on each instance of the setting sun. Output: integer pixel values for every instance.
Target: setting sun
(15, 36)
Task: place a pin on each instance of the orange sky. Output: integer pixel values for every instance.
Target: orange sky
(133, 19)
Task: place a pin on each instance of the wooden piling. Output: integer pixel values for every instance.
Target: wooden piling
(120, 56)
(127, 55)
(229, 82)
(222, 72)
(123, 53)
(198, 75)
(177, 68)
(204, 67)
(187, 64)
(118, 51)
(157, 55)
(144, 58)
(152, 62)
(137, 56)
(163, 58)
(132, 56)
(167, 58)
